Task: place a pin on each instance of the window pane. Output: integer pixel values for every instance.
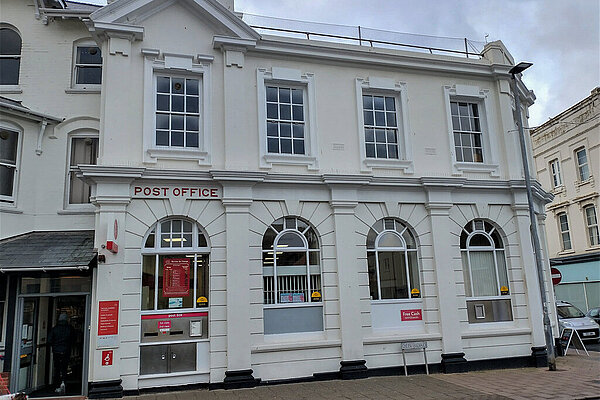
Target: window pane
(177, 85)
(177, 139)
(466, 274)
(287, 258)
(297, 96)
(284, 95)
(9, 71)
(390, 104)
(163, 84)
(272, 129)
(298, 130)
(290, 240)
(202, 276)
(367, 102)
(89, 55)
(502, 273)
(285, 112)
(286, 146)
(192, 86)
(390, 239)
(178, 291)
(162, 138)
(162, 121)
(378, 102)
(380, 118)
(285, 130)
(191, 139)
(483, 273)
(191, 105)
(8, 146)
(312, 239)
(89, 75)
(480, 240)
(298, 113)
(10, 42)
(413, 270)
(273, 145)
(177, 103)
(177, 122)
(148, 281)
(191, 123)
(298, 146)
(162, 102)
(368, 116)
(372, 276)
(6, 180)
(272, 111)
(370, 150)
(392, 274)
(271, 94)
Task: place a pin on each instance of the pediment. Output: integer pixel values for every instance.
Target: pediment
(135, 12)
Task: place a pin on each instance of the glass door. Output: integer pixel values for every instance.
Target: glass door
(27, 340)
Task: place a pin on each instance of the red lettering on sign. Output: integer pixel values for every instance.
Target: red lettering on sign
(213, 193)
(137, 190)
(411, 315)
(176, 277)
(176, 315)
(108, 318)
(107, 357)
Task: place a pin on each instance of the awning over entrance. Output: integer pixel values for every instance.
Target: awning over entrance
(47, 251)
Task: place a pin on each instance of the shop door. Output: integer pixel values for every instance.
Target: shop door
(27, 340)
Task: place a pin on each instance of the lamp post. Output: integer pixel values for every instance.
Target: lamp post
(522, 66)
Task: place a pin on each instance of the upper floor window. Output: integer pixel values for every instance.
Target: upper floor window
(84, 151)
(175, 266)
(88, 65)
(177, 111)
(565, 235)
(285, 120)
(484, 264)
(392, 261)
(8, 163)
(381, 126)
(10, 56)
(582, 164)
(291, 277)
(591, 220)
(466, 126)
(555, 171)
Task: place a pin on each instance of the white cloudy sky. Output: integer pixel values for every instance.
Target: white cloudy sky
(560, 37)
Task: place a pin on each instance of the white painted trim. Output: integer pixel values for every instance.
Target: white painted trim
(376, 85)
(198, 67)
(77, 208)
(489, 137)
(296, 78)
(11, 126)
(78, 87)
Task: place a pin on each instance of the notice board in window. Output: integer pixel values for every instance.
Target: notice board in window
(176, 277)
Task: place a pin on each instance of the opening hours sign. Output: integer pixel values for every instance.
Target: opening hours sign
(176, 277)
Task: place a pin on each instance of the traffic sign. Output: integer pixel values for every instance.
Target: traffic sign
(556, 276)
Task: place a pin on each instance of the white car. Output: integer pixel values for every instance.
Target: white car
(570, 316)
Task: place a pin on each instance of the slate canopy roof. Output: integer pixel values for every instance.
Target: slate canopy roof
(48, 251)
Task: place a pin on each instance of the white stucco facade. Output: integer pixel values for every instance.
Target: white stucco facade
(333, 186)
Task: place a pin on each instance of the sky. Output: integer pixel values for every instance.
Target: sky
(560, 37)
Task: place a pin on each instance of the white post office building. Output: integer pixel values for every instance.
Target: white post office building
(214, 204)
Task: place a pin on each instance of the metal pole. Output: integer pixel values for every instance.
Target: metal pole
(534, 232)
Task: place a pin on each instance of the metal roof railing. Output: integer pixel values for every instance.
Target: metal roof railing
(362, 36)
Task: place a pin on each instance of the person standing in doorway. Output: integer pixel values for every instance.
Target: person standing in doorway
(60, 339)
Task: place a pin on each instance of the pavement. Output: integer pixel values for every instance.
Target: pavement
(576, 377)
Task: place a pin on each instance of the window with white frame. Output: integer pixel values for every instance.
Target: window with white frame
(177, 111)
(466, 126)
(175, 266)
(3, 301)
(556, 174)
(9, 141)
(88, 65)
(177, 123)
(565, 235)
(381, 126)
(291, 277)
(83, 151)
(285, 120)
(10, 56)
(392, 261)
(582, 164)
(483, 260)
(591, 221)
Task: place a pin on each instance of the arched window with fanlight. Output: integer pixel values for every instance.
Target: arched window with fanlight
(175, 266)
(10, 56)
(392, 261)
(291, 277)
(485, 273)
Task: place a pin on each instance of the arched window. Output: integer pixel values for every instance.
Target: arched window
(291, 277)
(484, 264)
(10, 56)
(175, 266)
(392, 260)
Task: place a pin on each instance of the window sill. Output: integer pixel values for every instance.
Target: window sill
(558, 190)
(492, 169)
(398, 336)
(10, 210)
(579, 183)
(593, 248)
(405, 165)
(88, 209)
(10, 89)
(290, 159)
(294, 344)
(565, 252)
(294, 305)
(177, 154)
(83, 90)
(495, 329)
(397, 301)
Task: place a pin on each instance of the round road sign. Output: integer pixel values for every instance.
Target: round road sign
(556, 276)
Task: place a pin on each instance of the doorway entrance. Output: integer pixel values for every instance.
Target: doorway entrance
(36, 361)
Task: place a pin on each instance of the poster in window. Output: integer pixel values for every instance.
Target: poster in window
(176, 277)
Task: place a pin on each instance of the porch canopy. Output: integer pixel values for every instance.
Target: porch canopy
(47, 251)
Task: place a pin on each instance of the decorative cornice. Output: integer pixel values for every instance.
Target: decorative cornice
(233, 43)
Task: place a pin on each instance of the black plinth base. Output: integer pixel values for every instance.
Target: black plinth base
(105, 389)
(239, 379)
(539, 357)
(355, 369)
(454, 362)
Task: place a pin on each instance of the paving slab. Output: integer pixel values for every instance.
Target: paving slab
(577, 377)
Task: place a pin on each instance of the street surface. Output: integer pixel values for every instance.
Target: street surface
(577, 377)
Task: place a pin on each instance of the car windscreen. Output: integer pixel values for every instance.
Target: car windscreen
(569, 312)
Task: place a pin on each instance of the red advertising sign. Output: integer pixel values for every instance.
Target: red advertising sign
(556, 276)
(107, 357)
(175, 315)
(108, 318)
(411, 315)
(176, 277)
